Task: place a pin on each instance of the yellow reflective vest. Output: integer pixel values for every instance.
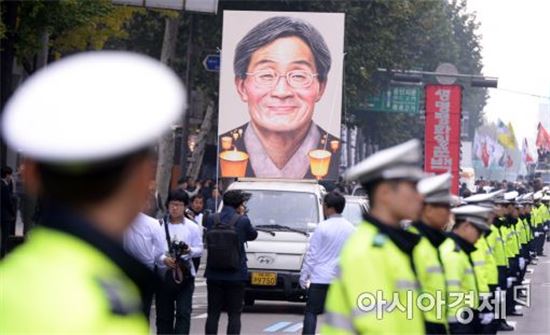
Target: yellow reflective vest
(462, 289)
(430, 276)
(496, 244)
(376, 289)
(522, 232)
(485, 267)
(510, 238)
(57, 283)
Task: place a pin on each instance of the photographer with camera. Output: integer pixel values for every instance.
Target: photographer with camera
(226, 271)
(182, 242)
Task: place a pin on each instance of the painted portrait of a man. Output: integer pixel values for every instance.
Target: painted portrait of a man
(281, 69)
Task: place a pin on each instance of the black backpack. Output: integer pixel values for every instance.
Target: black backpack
(223, 245)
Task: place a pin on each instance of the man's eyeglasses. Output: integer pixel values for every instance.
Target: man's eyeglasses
(295, 78)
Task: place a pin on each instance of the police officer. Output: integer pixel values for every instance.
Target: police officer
(545, 218)
(491, 266)
(512, 246)
(86, 124)
(434, 217)
(375, 290)
(463, 289)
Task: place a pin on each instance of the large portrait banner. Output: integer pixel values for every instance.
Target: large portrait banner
(280, 95)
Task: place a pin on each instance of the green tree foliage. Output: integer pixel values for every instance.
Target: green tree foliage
(404, 34)
(72, 25)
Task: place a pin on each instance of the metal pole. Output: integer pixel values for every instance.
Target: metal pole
(429, 73)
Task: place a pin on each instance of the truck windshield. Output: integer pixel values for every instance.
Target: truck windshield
(284, 208)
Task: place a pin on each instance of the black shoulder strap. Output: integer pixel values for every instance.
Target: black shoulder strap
(216, 219)
(205, 216)
(234, 220)
(165, 221)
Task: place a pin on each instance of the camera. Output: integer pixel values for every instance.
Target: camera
(178, 248)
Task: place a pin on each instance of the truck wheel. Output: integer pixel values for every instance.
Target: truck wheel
(249, 302)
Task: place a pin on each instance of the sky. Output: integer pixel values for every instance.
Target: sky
(515, 39)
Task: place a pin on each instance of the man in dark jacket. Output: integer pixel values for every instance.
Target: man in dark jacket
(226, 288)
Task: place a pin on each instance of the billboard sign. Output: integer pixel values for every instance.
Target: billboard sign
(442, 133)
(280, 94)
(397, 99)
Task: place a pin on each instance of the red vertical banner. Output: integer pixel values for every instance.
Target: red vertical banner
(442, 134)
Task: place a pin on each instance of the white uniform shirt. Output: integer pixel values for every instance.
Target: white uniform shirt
(188, 232)
(143, 240)
(322, 256)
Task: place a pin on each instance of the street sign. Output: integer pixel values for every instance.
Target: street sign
(447, 69)
(397, 99)
(211, 63)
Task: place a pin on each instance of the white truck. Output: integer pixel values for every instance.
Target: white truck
(285, 213)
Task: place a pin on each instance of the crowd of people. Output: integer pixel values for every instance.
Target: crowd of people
(435, 263)
(521, 185)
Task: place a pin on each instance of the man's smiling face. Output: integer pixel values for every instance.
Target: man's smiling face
(281, 107)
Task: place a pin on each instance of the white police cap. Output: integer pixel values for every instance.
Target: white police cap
(537, 196)
(457, 201)
(546, 198)
(93, 106)
(511, 196)
(436, 189)
(477, 215)
(484, 199)
(399, 162)
(527, 197)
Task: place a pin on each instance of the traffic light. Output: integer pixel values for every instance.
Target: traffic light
(484, 82)
(407, 77)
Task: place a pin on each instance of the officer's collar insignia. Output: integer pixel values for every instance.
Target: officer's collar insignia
(379, 240)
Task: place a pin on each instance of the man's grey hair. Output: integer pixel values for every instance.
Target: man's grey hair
(278, 27)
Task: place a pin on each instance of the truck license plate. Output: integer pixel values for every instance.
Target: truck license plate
(264, 278)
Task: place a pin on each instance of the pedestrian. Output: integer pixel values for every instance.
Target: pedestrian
(321, 259)
(86, 123)
(143, 240)
(9, 208)
(195, 210)
(434, 217)
(193, 187)
(462, 288)
(226, 272)
(376, 261)
(195, 213)
(182, 242)
(206, 190)
(182, 183)
(213, 202)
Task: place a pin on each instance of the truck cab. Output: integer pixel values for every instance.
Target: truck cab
(285, 213)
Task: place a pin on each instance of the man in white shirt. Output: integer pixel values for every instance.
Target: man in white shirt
(144, 241)
(321, 260)
(188, 234)
(195, 214)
